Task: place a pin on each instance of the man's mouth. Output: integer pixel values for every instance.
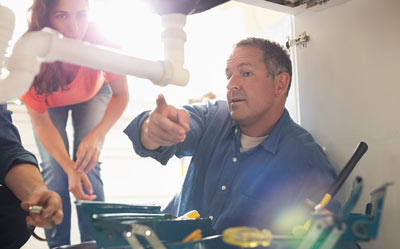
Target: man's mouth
(236, 100)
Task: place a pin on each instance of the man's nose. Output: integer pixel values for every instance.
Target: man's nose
(233, 83)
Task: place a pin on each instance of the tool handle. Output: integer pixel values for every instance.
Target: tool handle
(345, 172)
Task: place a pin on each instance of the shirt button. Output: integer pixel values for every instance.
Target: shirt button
(234, 159)
(223, 188)
(211, 217)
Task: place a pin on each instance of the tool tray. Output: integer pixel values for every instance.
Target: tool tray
(135, 226)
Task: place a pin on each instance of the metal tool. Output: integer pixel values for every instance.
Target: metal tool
(38, 210)
(326, 230)
(343, 175)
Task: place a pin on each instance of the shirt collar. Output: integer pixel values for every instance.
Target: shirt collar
(272, 141)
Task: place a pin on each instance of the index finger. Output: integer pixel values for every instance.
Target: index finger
(88, 186)
(52, 205)
(80, 194)
(93, 162)
(161, 103)
(82, 161)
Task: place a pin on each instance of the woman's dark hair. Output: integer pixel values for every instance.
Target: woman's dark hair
(51, 76)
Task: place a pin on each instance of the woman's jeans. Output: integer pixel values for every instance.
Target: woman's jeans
(85, 117)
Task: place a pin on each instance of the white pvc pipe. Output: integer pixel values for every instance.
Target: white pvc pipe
(98, 57)
(7, 24)
(15, 85)
(48, 46)
(174, 37)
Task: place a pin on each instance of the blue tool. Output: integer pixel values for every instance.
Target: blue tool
(327, 230)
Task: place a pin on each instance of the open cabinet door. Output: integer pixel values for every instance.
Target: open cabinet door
(349, 86)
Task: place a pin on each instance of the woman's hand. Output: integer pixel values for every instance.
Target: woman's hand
(88, 153)
(75, 181)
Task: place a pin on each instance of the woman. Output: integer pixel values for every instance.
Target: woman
(60, 89)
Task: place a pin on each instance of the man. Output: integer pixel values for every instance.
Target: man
(22, 187)
(251, 164)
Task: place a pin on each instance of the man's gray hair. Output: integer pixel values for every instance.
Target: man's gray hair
(276, 58)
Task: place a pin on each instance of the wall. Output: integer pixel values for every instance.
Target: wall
(349, 84)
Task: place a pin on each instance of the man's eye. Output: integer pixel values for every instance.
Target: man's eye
(247, 74)
(228, 77)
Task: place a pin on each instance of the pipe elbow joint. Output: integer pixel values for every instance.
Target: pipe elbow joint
(30, 50)
(173, 74)
(24, 63)
(53, 46)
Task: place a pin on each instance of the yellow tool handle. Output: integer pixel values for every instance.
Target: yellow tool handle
(191, 215)
(327, 198)
(247, 237)
(193, 236)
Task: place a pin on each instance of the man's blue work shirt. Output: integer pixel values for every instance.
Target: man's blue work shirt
(11, 150)
(263, 187)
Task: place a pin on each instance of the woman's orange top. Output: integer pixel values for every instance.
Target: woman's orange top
(84, 87)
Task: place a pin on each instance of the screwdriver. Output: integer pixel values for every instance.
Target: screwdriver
(251, 237)
(337, 184)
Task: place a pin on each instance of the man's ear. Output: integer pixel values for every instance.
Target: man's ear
(281, 82)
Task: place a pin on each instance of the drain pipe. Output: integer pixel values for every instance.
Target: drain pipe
(7, 25)
(174, 38)
(48, 45)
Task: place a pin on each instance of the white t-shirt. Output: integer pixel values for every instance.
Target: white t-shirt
(248, 143)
